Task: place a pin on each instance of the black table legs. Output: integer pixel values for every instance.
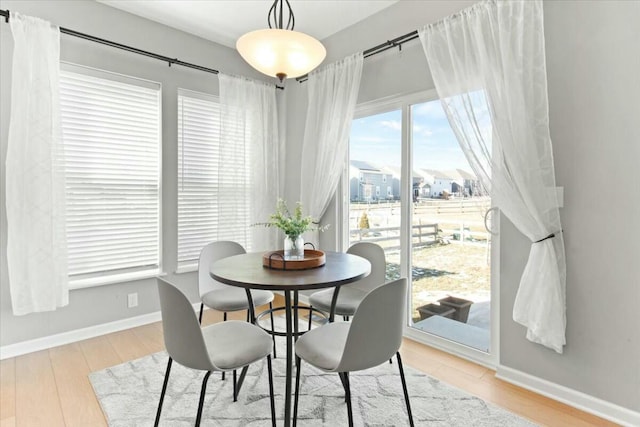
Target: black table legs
(288, 375)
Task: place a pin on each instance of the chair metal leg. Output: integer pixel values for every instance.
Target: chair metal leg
(200, 315)
(238, 384)
(224, 319)
(202, 393)
(271, 399)
(344, 384)
(297, 393)
(235, 390)
(347, 396)
(404, 388)
(164, 389)
(273, 329)
(310, 315)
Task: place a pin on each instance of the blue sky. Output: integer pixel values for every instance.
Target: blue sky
(377, 139)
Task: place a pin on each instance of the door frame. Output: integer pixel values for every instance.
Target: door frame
(404, 102)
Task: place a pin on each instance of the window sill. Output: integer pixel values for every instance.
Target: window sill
(187, 268)
(114, 278)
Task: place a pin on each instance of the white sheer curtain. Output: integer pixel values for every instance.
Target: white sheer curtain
(333, 92)
(489, 60)
(249, 158)
(35, 188)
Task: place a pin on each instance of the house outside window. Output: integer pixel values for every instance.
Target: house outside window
(367, 192)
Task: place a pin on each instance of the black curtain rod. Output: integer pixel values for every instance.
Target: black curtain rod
(163, 58)
(389, 44)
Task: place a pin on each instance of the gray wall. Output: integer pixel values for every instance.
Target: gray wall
(593, 68)
(94, 306)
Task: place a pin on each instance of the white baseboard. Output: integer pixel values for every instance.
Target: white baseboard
(577, 399)
(43, 343)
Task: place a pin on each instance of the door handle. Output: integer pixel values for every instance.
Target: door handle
(486, 220)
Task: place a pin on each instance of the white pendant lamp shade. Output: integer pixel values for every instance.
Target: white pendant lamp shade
(281, 53)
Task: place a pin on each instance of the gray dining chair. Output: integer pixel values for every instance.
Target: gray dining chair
(224, 346)
(371, 338)
(350, 297)
(225, 298)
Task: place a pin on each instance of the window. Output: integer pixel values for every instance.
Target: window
(111, 133)
(200, 180)
(198, 155)
(441, 246)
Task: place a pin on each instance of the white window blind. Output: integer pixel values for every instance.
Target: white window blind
(112, 138)
(202, 186)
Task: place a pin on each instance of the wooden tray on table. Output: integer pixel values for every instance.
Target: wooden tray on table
(275, 260)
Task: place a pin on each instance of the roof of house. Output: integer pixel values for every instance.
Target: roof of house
(392, 170)
(452, 174)
(365, 166)
(433, 173)
(460, 174)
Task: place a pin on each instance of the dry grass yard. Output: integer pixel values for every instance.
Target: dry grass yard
(447, 267)
(459, 270)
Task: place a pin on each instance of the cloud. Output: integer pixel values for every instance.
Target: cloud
(429, 109)
(373, 139)
(424, 131)
(391, 124)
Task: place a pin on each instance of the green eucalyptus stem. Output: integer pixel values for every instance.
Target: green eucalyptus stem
(292, 225)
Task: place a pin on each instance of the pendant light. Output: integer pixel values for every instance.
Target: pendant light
(279, 51)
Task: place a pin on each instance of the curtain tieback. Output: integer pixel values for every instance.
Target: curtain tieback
(550, 236)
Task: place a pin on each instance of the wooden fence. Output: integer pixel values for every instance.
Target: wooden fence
(456, 221)
(426, 234)
(474, 205)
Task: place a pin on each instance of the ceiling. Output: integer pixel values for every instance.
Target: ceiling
(224, 21)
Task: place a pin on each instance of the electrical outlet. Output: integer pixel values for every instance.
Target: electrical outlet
(132, 300)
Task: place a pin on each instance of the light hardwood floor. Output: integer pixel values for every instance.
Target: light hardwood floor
(51, 388)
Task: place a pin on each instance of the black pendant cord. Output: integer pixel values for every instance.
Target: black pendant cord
(275, 17)
(131, 49)
(389, 44)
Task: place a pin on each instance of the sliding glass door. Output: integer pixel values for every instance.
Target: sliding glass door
(451, 249)
(411, 191)
(375, 206)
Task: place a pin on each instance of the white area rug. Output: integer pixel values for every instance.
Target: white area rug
(129, 393)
